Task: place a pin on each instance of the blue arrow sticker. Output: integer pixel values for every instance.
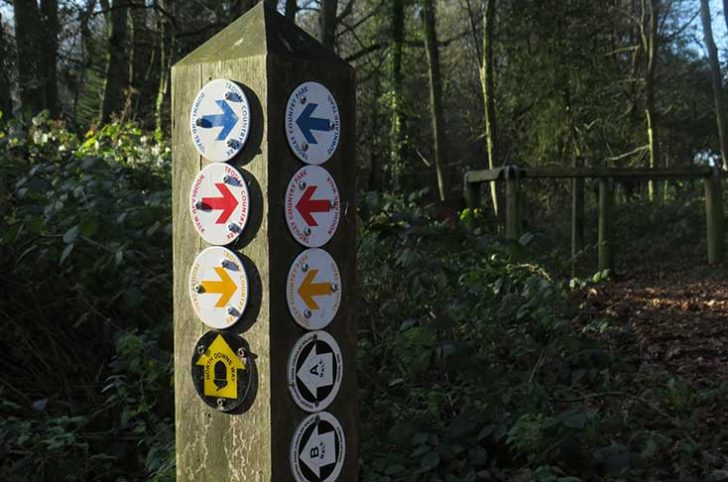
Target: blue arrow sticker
(220, 120)
(307, 123)
(226, 120)
(312, 122)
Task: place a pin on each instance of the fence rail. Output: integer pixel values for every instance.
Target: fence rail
(513, 175)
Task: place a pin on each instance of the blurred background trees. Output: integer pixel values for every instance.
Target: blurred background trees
(620, 82)
(474, 363)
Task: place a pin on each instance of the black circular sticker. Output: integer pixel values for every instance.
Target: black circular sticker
(315, 371)
(318, 449)
(221, 370)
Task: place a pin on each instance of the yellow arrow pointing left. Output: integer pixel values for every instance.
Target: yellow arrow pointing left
(308, 290)
(221, 369)
(225, 287)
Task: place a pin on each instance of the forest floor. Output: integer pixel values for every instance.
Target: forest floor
(677, 314)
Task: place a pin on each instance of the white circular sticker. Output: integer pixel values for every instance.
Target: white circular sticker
(218, 287)
(313, 126)
(314, 371)
(318, 449)
(313, 289)
(220, 120)
(219, 203)
(312, 206)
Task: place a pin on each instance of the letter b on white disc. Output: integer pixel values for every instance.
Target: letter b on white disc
(318, 449)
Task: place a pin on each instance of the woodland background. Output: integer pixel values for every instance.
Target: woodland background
(479, 358)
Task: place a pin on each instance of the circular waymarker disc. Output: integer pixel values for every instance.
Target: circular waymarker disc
(314, 371)
(313, 126)
(313, 289)
(220, 120)
(218, 287)
(312, 206)
(221, 370)
(318, 449)
(219, 203)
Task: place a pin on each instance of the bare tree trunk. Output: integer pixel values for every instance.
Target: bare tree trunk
(327, 22)
(6, 101)
(438, 127)
(718, 93)
(29, 47)
(139, 59)
(398, 119)
(291, 10)
(376, 180)
(49, 11)
(488, 85)
(117, 71)
(650, 44)
(166, 57)
(86, 48)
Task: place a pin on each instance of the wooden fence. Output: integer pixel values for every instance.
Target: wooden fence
(513, 176)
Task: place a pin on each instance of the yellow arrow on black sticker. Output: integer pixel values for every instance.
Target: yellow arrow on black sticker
(221, 369)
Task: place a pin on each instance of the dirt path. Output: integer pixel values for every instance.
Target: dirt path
(677, 316)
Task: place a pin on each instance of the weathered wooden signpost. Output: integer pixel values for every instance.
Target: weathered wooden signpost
(264, 257)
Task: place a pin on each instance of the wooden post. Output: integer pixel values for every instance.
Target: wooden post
(513, 212)
(577, 217)
(714, 218)
(577, 221)
(606, 202)
(269, 57)
(471, 191)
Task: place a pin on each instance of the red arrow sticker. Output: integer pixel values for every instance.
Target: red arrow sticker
(312, 206)
(219, 203)
(227, 203)
(306, 206)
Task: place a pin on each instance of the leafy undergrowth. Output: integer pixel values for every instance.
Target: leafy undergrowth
(475, 365)
(85, 309)
(473, 362)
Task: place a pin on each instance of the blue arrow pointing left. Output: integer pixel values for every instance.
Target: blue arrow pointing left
(226, 120)
(307, 123)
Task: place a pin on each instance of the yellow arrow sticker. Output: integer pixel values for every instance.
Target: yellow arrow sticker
(309, 289)
(221, 369)
(225, 287)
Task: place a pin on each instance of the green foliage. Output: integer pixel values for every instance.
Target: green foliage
(474, 363)
(85, 247)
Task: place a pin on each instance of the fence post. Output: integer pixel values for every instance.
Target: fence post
(606, 205)
(714, 217)
(297, 92)
(471, 190)
(577, 218)
(513, 211)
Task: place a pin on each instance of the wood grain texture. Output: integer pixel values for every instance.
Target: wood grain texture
(605, 250)
(269, 57)
(714, 217)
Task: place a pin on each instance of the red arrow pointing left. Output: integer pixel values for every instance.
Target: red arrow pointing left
(227, 203)
(306, 206)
